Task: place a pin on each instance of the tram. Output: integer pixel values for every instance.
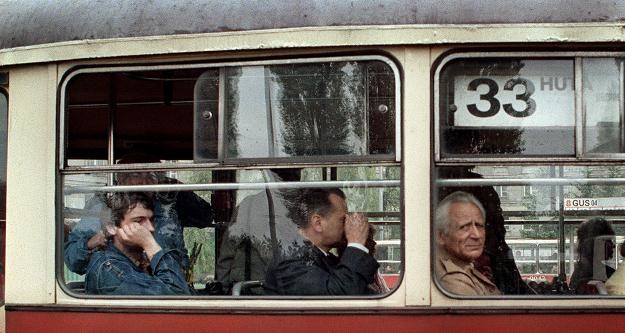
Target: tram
(537, 259)
(225, 109)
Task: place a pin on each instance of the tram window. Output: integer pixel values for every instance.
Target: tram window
(512, 109)
(155, 123)
(304, 110)
(223, 253)
(547, 230)
(524, 107)
(603, 102)
(507, 107)
(149, 111)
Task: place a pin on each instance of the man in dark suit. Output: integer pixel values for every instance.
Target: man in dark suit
(324, 223)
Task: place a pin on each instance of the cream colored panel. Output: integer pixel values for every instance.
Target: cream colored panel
(416, 132)
(316, 37)
(30, 186)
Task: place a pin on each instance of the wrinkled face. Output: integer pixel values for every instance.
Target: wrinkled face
(465, 237)
(333, 223)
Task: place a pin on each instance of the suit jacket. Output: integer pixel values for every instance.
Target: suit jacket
(314, 273)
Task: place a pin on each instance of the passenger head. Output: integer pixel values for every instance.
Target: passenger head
(137, 178)
(321, 216)
(460, 226)
(588, 231)
(123, 204)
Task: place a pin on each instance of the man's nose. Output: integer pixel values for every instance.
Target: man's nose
(475, 232)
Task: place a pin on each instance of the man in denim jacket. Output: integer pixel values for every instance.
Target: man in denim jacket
(172, 212)
(133, 263)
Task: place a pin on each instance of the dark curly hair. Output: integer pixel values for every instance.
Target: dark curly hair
(121, 203)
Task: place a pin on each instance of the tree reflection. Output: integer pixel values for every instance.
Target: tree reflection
(321, 108)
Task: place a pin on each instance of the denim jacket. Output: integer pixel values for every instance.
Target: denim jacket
(186, 209)
(110, 272)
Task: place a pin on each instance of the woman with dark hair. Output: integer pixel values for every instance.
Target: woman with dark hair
(584, 271)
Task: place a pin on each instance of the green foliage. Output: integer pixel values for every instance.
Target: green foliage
(530, 202)
(204, 268)
(371, 199)
(540, 231)
(599, 191)
(321, 106)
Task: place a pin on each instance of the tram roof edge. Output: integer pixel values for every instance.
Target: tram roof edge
(353, 36)
(34, 22)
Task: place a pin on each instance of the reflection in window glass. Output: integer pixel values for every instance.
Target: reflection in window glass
(151, 111)
(216, 254)
(499, 107)
(226, 239)
(91, 223)
(310, 110)
(563, 238)
(206, 116)
(603, 105)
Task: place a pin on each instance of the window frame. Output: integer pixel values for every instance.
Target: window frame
(556, 180)
(63, 170)
(221, 160)
(579, 114)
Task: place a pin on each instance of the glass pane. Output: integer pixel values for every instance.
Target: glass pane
(183, 262)
(254, 234)
(563, 239)
(148, 111)
(382, 207)
(310, 110)
(269, 238)
(603, 105)
(507, 107)
(206, 113)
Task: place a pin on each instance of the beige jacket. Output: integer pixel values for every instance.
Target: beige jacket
(461, 278)
(616, 283)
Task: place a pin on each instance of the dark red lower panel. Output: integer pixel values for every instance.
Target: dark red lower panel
(50, 321)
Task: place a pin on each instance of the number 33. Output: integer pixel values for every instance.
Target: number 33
(493, 89)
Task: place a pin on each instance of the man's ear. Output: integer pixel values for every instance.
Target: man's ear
(315, 223)
(440, 238)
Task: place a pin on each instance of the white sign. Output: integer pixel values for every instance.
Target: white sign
(617, 203)
(541, 93)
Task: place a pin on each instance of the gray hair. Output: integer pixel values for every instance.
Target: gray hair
(441, 220)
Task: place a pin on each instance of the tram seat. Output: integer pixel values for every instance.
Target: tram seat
(240, 288)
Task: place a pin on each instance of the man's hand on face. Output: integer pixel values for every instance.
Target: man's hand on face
(98, 240)
(134, 234)
(356, 228)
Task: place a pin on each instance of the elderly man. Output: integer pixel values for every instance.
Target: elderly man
(133, 263)
(460, 234)
(325, 224)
